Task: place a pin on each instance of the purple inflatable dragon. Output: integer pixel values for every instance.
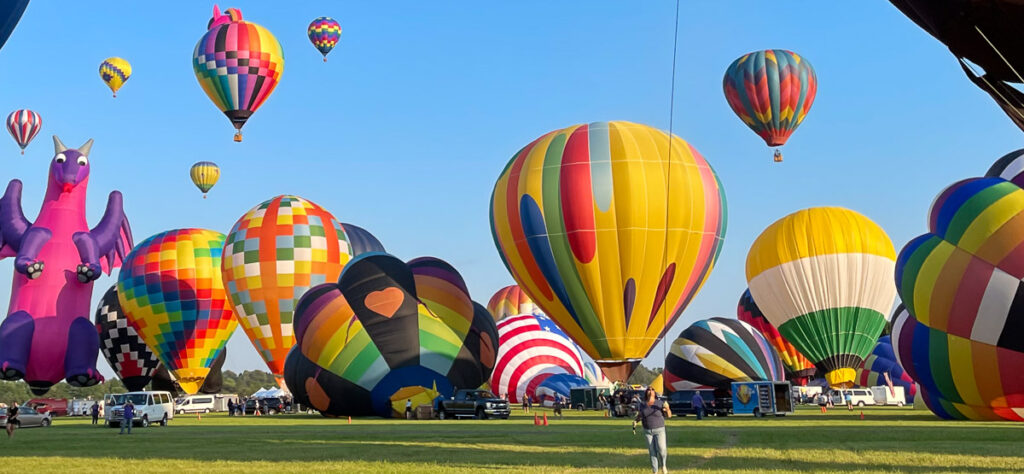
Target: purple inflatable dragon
(47, 335)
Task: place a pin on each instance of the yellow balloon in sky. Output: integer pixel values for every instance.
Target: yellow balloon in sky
(115, 72)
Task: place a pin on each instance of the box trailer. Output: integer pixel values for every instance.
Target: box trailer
(886, 396)
(762, 398)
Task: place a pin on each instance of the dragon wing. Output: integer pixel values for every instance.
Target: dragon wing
(113, 235)
(13, 223)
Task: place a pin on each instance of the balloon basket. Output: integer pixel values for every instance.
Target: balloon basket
(22, 152)
(325, 59)
(238, 136)
(115, 95)
(777, 157)
(204, 196)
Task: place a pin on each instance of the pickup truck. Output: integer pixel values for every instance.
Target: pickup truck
(479, 404)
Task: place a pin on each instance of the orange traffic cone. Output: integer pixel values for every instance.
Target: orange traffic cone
(545, 419)
(536, 422)
(350, 420)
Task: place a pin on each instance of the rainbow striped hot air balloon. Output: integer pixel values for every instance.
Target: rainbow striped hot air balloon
(24, 125)
(171, 291)
(611, 228)
(238, 64)
(115, 72)
(771, 91)
(324, 33)
(962, 338)
(821, 276)
(511, 301)
(275, 253)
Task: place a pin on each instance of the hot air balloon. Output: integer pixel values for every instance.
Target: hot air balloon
(361, 240)
(583, 220)
(511, 301)
(125, 351)
(164, 381)
(821, 276)
(24, 125)
(771, 91)
(204, 175)
(115, 72)
(10, 14)
(170, 289)
(274, 253)
(881, 368)
(388, 331)
(324, 33)
(531, 349)
(717, 352)
(238, 64)
(962, 338)
(798, 368)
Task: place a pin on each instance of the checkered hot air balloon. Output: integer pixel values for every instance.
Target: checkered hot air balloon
(531, 349)
(24, 125)
(171, 291)
(238, 64)
(324, 33)
(771, 91)
(274, 254)
(125, 351)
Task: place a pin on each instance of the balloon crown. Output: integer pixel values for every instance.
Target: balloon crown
(229, 16)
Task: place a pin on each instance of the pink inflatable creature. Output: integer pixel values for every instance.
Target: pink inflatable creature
(47, 335)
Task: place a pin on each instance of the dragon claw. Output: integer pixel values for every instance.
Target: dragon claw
(33, 270)
(88, 272)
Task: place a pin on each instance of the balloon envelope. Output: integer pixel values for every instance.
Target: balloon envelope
(204, 175)
(115, 72)
(611, 228)
(798, 367)
(324, 32)
(10, 13)
(124, 349)
(717, 352)
(24, 125)
(171, 290)
(532, 348)
(771, 91)
(821, 276)
(511, 301)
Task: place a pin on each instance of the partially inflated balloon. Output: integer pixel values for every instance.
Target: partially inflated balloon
(24, 125)
(881, 368)
(511, 301)
(611, 228)
(204, 175)
(171, 290)
(532, 348)
(275, 253)
(238, 64)
(771, 91)
(798, 368)
(115, 72)
(125, 351)
(324, 33)
(821, 276)
(718, 351)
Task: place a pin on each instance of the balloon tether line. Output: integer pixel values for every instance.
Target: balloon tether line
(668, 185)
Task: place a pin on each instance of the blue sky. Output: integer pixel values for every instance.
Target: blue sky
(406, 128)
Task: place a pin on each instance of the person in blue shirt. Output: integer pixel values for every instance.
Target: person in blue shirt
(95, 412)
(129, 415)
(699, 408)
(848, 396)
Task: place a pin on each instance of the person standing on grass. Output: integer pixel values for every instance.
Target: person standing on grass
(95, 412)
(848, 396)
(128, 416)
(408, 409)
(699, 408)
(12, 419)
(231, 408)
(651, 413)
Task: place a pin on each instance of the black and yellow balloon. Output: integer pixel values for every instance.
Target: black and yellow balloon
(204, 175)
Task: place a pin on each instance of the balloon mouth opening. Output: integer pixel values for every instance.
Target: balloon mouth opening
(618, 370)
(841, 378)
(190, 380)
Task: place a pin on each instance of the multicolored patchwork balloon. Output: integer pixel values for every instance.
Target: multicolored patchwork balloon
(771, 91)
(511, 301)
(717, 352)
(125, 351)
(611, 228)
(963, 337)
(171, 291)
(205, 175)
(115, 72)
(821, 276)
(24, 125)
(324, 33)
(238, 64)
(881, 368)
(273, 254)
(798, 368)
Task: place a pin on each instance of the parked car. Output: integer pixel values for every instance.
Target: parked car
(479, 404)
(274, 406)
(150, 407)
(29, 417)
(53, 406)
(861, 396)
(194, 404)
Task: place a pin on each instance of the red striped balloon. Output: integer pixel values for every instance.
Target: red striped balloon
(530, 349)
(24, 125)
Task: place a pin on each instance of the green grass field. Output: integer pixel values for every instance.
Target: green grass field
(888, 439)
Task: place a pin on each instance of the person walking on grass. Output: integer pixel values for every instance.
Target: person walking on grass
(651, 413)
(12, 419)
(699, 407)
(128, 416)
(95, 409)
(848, 396)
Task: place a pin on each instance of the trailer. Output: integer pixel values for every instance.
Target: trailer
(588, 398)
(885, 395)
(762, 398)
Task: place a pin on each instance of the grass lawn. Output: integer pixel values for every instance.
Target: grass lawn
(888, 439)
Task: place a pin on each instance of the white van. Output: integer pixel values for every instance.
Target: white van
(860, 396)
(195, 404)
(150, 407)
(884, 396)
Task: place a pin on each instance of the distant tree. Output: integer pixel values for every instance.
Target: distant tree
(247, 382)
(644, 376)
(18, 391)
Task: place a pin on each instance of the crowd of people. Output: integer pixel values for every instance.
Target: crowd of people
(259, 406)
